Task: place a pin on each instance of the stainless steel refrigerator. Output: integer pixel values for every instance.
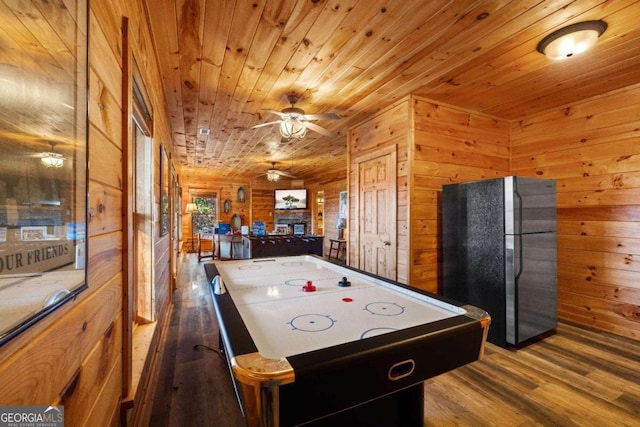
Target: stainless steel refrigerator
(499, 253)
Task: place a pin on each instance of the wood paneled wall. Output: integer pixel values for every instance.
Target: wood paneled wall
(74, 356)
(259, 200)
(436, 145)
(262, 195)
(262, 206)
(450, 146)
(223, 189)
(390, 127)
(592, 150)
(114, 48)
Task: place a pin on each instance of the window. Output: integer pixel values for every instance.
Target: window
(143, 173)
(204, 219)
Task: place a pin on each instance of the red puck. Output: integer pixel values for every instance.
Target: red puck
(347, 299)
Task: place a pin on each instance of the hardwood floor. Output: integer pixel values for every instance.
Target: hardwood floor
(194, 388)
(575, 377)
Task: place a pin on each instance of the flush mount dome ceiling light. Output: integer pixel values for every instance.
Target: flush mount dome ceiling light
(52, 159)
(571, 40)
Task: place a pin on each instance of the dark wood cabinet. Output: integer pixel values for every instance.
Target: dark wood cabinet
(266, 246)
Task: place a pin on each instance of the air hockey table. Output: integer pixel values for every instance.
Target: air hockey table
(311, 342)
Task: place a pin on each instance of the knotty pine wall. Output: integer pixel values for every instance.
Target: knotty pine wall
(390, 127)
(194, 182)
(450, 145)
(259, 199)
(119, 38)
(436, 145)
(262, 206)
(592, 150)
(77, 356)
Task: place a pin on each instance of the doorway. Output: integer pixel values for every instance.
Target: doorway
(319, 217)
(377, 211)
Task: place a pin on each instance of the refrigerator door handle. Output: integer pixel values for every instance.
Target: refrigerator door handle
(510, 285)
(519, 197)
(515, 190)
(520, 267)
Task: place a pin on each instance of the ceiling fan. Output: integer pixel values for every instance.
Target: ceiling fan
(294, 122)
(273, 174)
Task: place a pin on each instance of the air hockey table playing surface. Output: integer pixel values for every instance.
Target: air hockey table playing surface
(338, 337)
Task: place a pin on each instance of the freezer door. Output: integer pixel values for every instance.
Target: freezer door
(473, 249)
(530, 205)
(531, 291)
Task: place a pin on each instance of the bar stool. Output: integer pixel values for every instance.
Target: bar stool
(339, 247)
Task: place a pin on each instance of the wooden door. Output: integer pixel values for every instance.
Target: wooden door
(377, 215)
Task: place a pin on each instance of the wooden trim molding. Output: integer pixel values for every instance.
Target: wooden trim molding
(127, 209)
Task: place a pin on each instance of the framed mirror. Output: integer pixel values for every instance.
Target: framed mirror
(43, 159)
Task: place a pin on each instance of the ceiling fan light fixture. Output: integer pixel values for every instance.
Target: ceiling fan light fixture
(292, 128)
(52, 160)
(571, 40)
(273, 175)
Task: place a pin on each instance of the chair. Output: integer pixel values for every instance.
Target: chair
(206, 246)
(339, 247)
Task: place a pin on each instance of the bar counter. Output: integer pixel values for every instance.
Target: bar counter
(277, 245)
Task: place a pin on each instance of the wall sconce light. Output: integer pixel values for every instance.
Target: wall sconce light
(571, 40)
(52, 159)
(292, 128)
(273, 175)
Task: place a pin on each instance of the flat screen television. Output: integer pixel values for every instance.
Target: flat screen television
(291, 199)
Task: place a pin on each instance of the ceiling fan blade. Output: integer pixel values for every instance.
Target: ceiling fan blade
(287, 174)
(314, 127)
(265, 124)
(279, 113)
(327, 116)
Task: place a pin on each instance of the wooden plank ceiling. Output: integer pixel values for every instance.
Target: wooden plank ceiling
(224, 62)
